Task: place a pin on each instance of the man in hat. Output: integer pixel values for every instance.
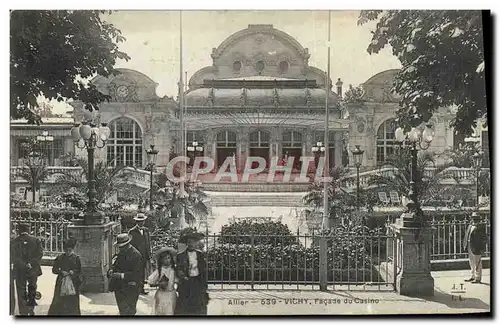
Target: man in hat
(26, 254)
(141, 241)
(191, 271)
(126, 276)
(475, 243)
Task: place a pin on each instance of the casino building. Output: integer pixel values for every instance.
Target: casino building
(260, 97)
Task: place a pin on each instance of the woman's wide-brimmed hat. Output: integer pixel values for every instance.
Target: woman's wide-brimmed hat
(170, 250)
(140, 217)
(191, 235)
(122, 240)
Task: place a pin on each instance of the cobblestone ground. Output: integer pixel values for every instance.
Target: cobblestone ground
(474, 299)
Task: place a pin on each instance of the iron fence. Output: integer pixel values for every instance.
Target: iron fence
(448, 236)
(51, 233)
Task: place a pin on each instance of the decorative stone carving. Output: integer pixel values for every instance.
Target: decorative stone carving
(243, 97)
(276, 98)
(308, 98)
(211, 98)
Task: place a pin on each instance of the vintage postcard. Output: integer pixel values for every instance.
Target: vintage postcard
(224, 163)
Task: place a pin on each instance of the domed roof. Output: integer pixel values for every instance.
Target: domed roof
(378, 87)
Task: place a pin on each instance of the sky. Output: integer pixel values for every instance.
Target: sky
(152, 42)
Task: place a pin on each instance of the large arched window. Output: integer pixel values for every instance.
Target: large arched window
(125, 143)
(386, 141)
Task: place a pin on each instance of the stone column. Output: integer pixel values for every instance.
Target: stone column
(413, 258)
(275, 142)
(243, 148)
(95, 248)
(338, 149)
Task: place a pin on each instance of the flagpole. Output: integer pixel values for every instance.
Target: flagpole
(182, 151)
(326, 212)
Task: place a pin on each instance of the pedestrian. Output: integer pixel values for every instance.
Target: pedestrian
(142, 242)
(26, 253)
(164, 278)
(126, 276)
(191, 271)
(475, 243)
(67, 266)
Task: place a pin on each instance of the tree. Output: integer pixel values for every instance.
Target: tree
(428, 181)
(167, 195)
(341, 200)
(74, 186)
(52, 52)
(442, 57)
(34, 170)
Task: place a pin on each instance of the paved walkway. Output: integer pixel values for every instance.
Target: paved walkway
(475, 298)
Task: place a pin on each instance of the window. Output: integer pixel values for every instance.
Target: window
(226, 139)
(259, 66)
(386, 141)
(125, 143)
(292, 139)
(284, 66)
(259, 139)
(51, 151)
(237, 66)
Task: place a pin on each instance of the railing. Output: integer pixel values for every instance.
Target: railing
(51, 233)
(347, 261)
(448, 237)
(462, 175)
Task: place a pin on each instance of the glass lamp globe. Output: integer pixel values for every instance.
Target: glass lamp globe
(85, 131)
(399, 134)
(428, 134)
(414, 134)
(75, 132)
(104, 132)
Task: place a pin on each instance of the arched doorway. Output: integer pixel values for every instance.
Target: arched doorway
(124, 146)
(225, 146)
(292, 146)
(259, 145)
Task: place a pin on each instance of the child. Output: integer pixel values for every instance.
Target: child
(164, 278)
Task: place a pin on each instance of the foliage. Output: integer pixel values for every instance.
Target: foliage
(52, 52)
(340, 200)
(268, 233)
(168, 197)
(108, 180)
(34, 170)
(442, 57)
(399, 179)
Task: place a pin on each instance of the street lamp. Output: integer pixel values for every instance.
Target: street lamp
(416, 139)
(317, 150)
(88, 135)
(195, 147)
(357, 155)
(477, 159)
(152, 154)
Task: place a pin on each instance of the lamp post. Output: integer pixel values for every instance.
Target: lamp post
(194, 148)
(416, 139)
(477, 159)
(357, 155)
(318, 150)
(152, 154)
(90, 136)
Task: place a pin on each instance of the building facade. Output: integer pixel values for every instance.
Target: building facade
(260, 97)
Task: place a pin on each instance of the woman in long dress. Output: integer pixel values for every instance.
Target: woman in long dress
(68, 266)
(165, 279)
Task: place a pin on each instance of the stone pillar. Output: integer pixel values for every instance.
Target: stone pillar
(243, 148)
(338, 149)
(413, 258)
(95, 248)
